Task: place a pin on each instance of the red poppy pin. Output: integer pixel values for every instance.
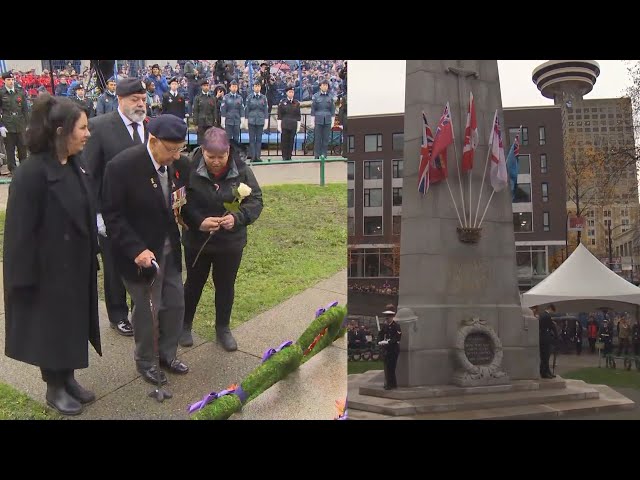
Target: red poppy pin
(18, 99)
(177, 175)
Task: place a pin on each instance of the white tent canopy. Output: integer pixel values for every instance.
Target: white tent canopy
(583, 283)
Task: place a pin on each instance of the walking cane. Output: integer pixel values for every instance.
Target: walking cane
(158, 393)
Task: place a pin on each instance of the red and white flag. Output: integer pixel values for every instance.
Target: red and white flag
(499, 177)
(470, 136)
(430, 170)
(444, 133)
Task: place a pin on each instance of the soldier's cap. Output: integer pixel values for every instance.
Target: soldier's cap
(79, 86)
(264, 64)
(389, 310)
(6, 75)
(204, 81)
(112, 79)
(324, 81)
(174, 79)
(155, 65)
(234, 82)
(130, 86)
(256, 82)
(168, 127)
(289, 87)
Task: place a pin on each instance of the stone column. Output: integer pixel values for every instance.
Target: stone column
(443, 281)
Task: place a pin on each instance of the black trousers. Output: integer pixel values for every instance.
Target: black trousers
(57, 377)
(545, 353)
(115, 295)
(224, 267)
(592, 345)
(201, 131)
(578, 347)
(390, 362)
(287, 143)
(11, 141)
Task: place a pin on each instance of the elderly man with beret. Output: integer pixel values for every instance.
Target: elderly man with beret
(112, 133)
(141, 188)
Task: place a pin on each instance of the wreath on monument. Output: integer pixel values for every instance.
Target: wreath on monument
(329, 325)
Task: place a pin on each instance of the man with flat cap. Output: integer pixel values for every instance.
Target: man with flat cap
(141, 188)
(112, 133)
(85, 103)
(173, 102)
(232, 112)
(14, 116)
(256, 112)
(204, 110)
(323, 110)
(288, 121)
(108, 102)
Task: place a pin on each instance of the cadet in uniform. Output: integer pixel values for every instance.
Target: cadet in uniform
(173, 101)
(85, 103)
(323, 110)
(288, 121)
(14, 116)
(232, 112)
(218, 93)
(108, 102)
(256, 113)
(204, 110)
(547, 337)
(389, 338)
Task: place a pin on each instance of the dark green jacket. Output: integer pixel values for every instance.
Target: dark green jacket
(205, 110)
(14, 110)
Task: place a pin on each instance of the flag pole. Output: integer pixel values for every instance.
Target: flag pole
(486, 208)
(473, 152)
(486, 164)
(454, 200)
(455, 156)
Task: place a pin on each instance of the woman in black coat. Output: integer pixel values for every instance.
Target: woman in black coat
(50, 255)
(216, 170)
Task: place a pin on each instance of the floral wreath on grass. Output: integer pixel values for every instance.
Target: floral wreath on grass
(329, 325)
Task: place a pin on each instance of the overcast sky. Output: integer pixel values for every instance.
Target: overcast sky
(377, 86)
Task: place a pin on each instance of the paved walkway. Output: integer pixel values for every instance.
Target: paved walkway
(308, 393)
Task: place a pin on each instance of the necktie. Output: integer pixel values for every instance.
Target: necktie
(136, 136)
(162, 169)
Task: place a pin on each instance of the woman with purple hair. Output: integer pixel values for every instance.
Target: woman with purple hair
(216, 235)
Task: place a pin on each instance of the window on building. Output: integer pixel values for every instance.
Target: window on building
(373, 225)
(398, 165)
(625, 221)
(591, 232)
(351, 226)
(513, 132)
(607, 222)
(351, 170)
(531, 262)
(350, 198)
(525, 136)
(372, 197)
(372, 262)
(373, 170)
(373, 142)
(593, 241)
(543, 163)
(522, 222)
(591, 223)
(397, 221)
(524, 164)
(545, 192)
(591, 214)
(522, 193)
(546, 222)
(542, 135)
(351, 143)
(606, 213)
(617, 251)
(397, 197)
(397, 142)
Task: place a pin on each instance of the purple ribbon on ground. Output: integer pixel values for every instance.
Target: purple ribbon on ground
(321, 310)
(270, 352)
(208, 398)
(242, 395)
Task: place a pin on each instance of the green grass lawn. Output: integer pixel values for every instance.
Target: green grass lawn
(361, 367)
(18, 406)
(611, 377)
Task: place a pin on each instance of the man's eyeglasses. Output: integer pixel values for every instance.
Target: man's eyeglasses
(174, 150)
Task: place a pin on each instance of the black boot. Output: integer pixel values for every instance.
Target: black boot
(59, 399)
(223, 335)
(186, 339)
(77, 391)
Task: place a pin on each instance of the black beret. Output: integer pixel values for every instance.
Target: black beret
(168, 127)
(290, 87)
(130, 86)
(234, 82)
(6, 75)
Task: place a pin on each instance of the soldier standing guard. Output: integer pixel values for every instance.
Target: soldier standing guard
(108, 102)
(389, 339)
(232, 112)
(204, 110)
(257, 116)
(14, 116)
(84, 103)
(288, 122)
(173, 101)
(323, 110)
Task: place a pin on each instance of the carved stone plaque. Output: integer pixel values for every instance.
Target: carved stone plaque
(478, 348)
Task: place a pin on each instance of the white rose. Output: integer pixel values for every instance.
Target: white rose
(244, 190)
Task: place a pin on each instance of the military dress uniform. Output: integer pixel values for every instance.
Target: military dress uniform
(323, 109)
(84, 103)
(174, 104)
(391, 333)
(547, 335)
(256, 112)
(107, 102)
(232, 111)
(204, 113)
(14, 116)
(289, 115)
